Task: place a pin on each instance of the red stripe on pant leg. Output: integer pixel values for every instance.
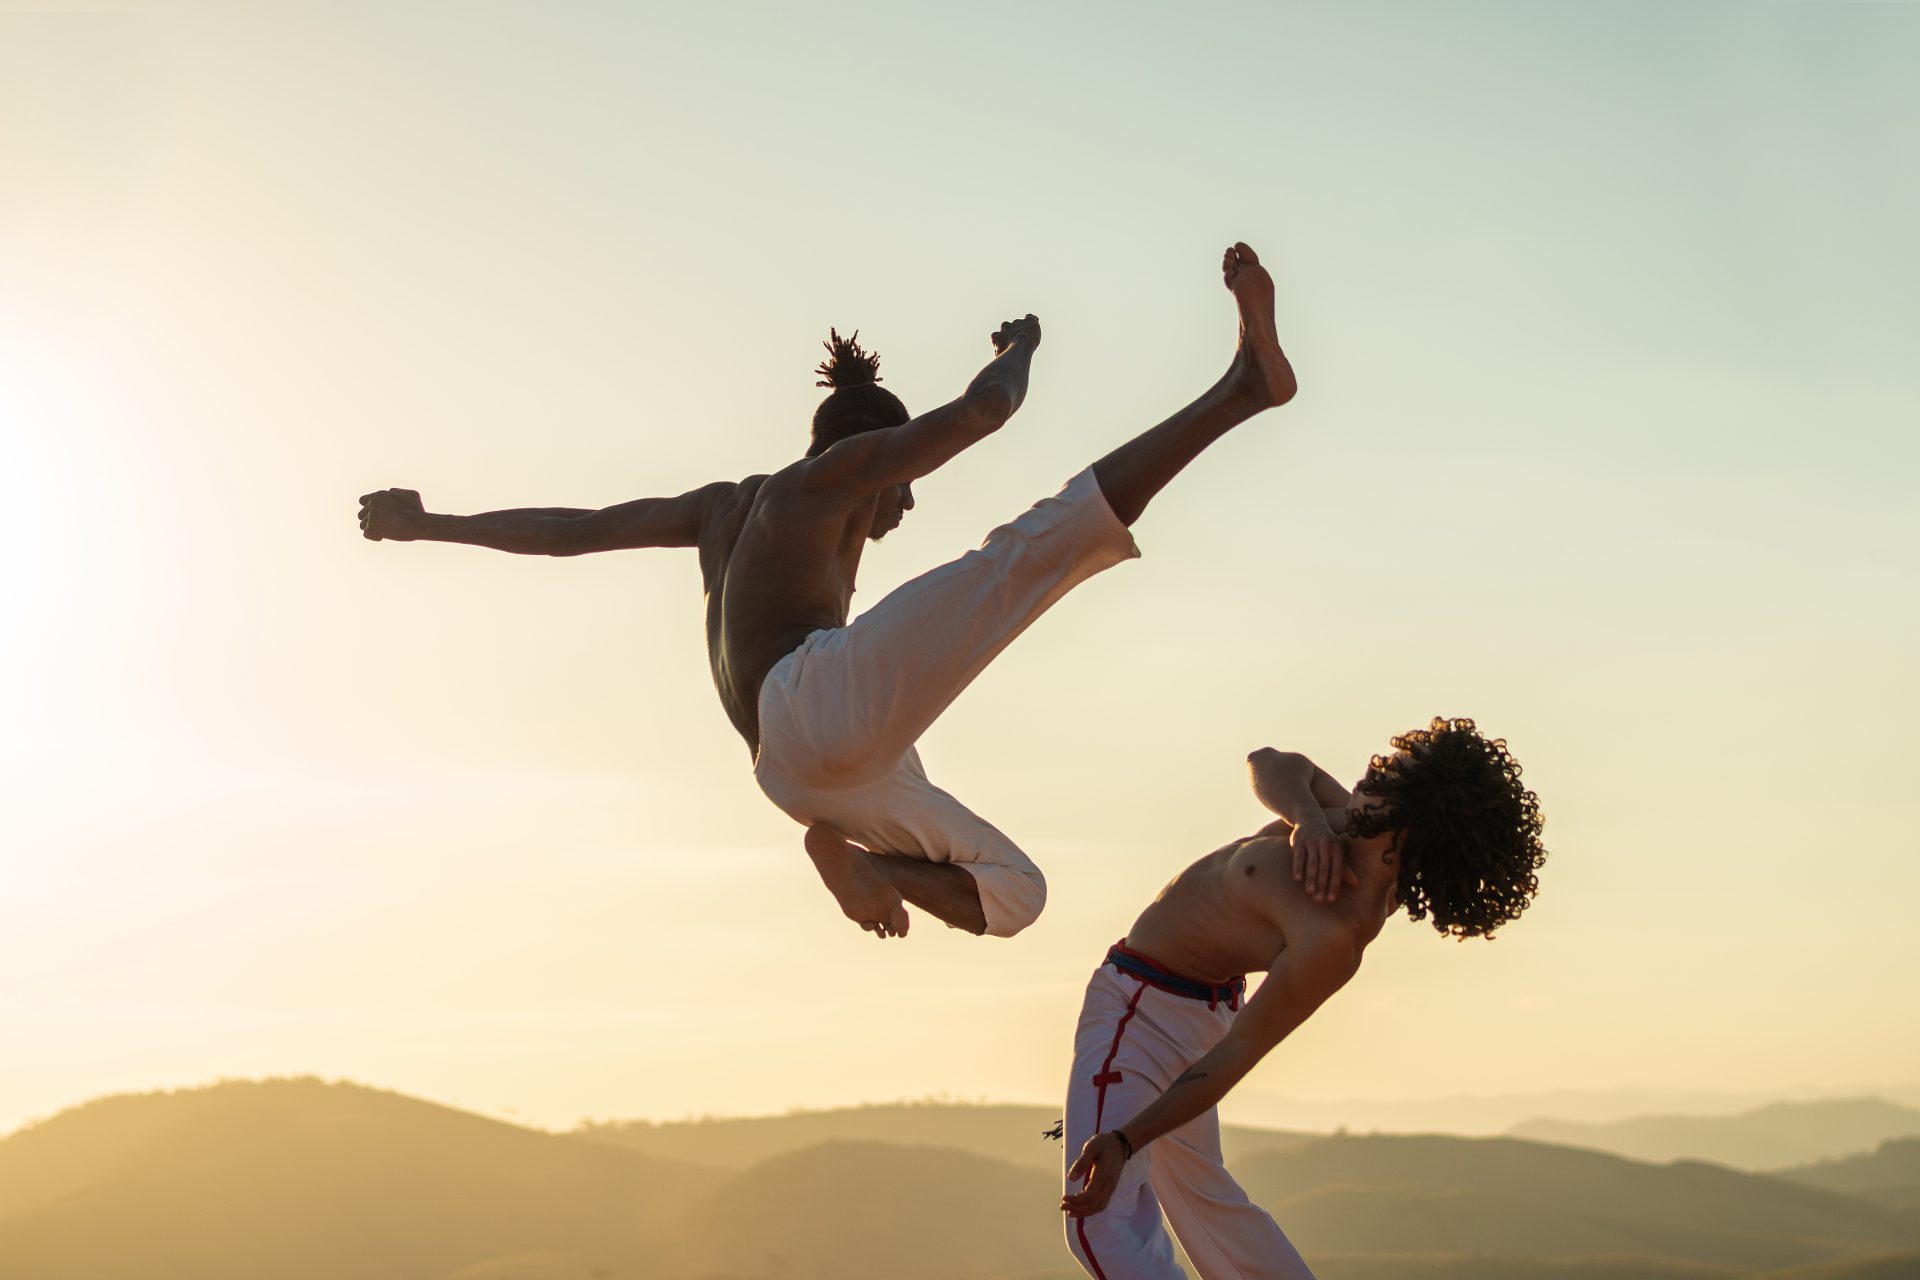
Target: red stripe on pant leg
(1086, 1250)
(1100, 1114)
(1106, 1068)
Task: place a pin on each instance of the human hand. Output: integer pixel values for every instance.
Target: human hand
(1320, 860)
(390, 514)
(1099, 1166)
(1014, 330)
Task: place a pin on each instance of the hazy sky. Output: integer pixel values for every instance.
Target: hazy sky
(1604, 317)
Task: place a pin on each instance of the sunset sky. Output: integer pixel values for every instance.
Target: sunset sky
(1604, 318)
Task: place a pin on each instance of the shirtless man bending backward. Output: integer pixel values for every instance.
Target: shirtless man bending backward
(1441, 827)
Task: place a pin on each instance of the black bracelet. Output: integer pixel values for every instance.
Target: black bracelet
(1124, 1141)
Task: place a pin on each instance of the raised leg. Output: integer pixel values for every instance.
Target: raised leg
(904, 660)
(1258, 379)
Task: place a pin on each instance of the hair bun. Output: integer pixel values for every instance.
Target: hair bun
(847, 365)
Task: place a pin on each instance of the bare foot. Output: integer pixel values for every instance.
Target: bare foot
(862, 893)
(1260, 368)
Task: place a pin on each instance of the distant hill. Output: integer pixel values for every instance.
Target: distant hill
(1455, 1266)
(1504, 1196)
(1896, 1267)
(1480, 1267)
(873, 1211)
(1448, 1266)
(1771, 1137)
(535, 1266)
(1010, 1133)
(301, 1180)
(1890, 1175)
(1487, 1115)
(999, 1132)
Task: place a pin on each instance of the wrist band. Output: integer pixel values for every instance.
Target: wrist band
(1125, 1141)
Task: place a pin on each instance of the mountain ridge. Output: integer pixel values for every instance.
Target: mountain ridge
(1774, 1136)
(301, 1179)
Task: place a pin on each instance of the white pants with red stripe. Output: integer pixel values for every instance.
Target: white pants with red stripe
(840, 714)
(1135, 1040)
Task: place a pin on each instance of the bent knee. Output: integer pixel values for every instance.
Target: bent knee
(1011, 898)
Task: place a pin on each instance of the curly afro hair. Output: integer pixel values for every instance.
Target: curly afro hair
(1469, 832)
(857, 402)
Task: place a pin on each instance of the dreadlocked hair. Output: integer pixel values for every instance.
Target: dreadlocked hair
(848, 364)
(857, 403)
(1469, 832)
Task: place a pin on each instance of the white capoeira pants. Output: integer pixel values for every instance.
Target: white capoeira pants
(839, 716)
(1134, 1040)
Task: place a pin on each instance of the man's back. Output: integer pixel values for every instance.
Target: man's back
(778, 555)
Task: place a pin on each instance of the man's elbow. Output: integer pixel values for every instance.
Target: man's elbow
(988, 407)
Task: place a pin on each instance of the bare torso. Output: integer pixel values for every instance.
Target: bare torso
(777, 558)
(1234, 911)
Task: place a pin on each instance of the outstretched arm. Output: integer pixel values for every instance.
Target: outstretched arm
(1299, 791)
(397, 515)
(875, 460)
(1300, 981)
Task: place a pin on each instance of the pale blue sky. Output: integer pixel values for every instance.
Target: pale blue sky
(1604, 318)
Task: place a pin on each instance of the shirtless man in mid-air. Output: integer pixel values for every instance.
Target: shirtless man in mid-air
(1442, 827)
(832, 709)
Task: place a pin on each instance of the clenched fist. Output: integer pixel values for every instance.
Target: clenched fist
(391, 514)
(1014, 330)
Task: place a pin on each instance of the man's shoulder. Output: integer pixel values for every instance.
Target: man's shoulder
(844, 468)
(781, 497)
(1320, 941)
(798, 475)
(806, 481)
(725, 497)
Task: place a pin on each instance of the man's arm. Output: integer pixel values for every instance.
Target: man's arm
(875, 460)
(1298, 790)
(1293, 786)
(1300, 981)
(397, 515)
